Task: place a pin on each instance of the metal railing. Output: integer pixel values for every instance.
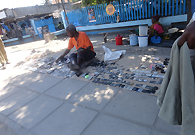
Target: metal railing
(127, 10)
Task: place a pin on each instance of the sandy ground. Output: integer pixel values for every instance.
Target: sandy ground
(97, 40)
(19, 53)
(134, 58)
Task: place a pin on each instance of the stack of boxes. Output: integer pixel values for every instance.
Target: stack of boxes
(143, 36)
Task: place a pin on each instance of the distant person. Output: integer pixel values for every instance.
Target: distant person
(23, 26)
(14, 24)
(31, 32)
(3, 32)
(60, 26)
(19, 34)
(5, 27)
(118, 18)
(82, 43)
(3, 55)
(156, 29)
(12, 30)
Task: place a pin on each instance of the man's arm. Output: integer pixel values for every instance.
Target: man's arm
(64, 54)
(182, 39)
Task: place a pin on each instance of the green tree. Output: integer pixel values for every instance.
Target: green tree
(94, 2)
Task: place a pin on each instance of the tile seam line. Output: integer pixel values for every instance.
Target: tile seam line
(26, 88)
(90, 123)
(110, 99)
(83, 106)
(153, 126)
(23, 105)
(115, 116)
(55, 76)
(78, 90)
(52, 86)
(63, 102)
(22, 86)
(80, 104)
(164, 131)
(127, 120)
(45, 94)
(10, 95)
(99, 112)
(7, 116)
(15, 123)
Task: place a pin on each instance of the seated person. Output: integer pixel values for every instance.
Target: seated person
(84, 47)
(31, 32)
(156, 28)
(60, 26)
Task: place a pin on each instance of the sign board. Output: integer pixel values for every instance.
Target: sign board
(39, 30)
(91, 14)
(2, 14)
(110, 9)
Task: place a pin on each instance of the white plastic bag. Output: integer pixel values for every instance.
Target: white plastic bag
(112, 55)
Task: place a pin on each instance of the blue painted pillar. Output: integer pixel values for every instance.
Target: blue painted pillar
(193, 6)
(63, 19)
(34, 27)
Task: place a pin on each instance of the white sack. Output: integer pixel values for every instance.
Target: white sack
(112, 55)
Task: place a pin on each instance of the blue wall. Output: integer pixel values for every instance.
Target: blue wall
(44, 22)
(193, 6)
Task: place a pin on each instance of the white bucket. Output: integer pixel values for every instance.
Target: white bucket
(143, 30)
(143, 41)
(133, 39)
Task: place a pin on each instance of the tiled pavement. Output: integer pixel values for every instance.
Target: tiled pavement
(37, 104)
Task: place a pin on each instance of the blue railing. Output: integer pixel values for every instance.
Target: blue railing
(127, 10)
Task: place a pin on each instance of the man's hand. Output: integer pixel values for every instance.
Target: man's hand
(58, 59)
(63, 55)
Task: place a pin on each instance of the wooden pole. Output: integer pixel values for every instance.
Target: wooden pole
(66, 18)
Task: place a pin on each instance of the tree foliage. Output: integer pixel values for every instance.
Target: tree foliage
(94, 2)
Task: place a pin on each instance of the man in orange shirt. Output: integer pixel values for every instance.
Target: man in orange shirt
(84, 47)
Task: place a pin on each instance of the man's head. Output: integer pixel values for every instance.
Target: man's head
(155, 18)
(60, 22)
(71, 30)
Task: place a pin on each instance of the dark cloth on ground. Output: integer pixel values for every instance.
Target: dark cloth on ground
(85, 56)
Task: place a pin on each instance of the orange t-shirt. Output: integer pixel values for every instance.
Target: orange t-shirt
(82, 41)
